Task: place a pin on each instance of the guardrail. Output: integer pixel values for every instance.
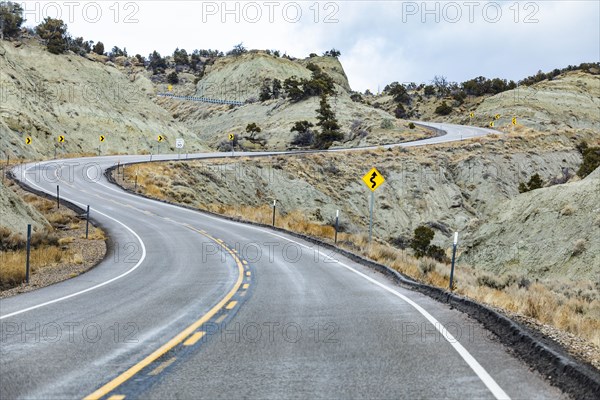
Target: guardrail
(201, 99)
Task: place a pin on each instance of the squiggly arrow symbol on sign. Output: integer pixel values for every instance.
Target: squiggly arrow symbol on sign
(372, 180)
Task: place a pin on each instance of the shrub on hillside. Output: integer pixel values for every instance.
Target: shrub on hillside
(443, 109)
(304, 135)
(535, 182)
(591, 161)
(427, 265)
(387, 124)
(173, 78)
(400, 111)
(437, 253)
(98, 48)
(429, 90)
(421, 240)
(237, 50)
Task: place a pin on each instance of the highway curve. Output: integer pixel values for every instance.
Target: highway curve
(188, 305)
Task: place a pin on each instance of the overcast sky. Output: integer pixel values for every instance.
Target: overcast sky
(380, 41)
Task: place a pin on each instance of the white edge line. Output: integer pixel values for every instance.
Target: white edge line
(483, 375)
(95, 286)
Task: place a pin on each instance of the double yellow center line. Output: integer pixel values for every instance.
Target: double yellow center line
(188, 334)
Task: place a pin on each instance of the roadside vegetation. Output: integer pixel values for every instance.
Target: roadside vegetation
(59, 250)
(568, 311)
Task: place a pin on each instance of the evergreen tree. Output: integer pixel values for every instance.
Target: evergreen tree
(54, 33)
(265, 91)
(11, 19)
(292, 87)
(591, 161)
(99, 48)
(173, 78)
(330, 129)
(237, 50)
(276, 92)
(421, 240)
(180, 57)
(156, 62)
(535, 182)
(253, 129)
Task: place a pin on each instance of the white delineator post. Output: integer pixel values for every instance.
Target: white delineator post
(454, 246)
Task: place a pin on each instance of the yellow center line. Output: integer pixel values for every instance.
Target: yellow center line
(221, 319)
(231, 305)
(246, 286)
(245, 262)
(125, 376)
(248, 273)
(117, 397)
(192, 340)
(162, 366)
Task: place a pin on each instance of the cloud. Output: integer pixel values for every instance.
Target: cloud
(380, 41)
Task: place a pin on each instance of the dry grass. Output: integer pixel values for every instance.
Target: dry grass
(577, 312)
(572, 307)
(52, 246)
(12, 271)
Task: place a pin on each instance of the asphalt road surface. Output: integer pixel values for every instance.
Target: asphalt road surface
(187, 306)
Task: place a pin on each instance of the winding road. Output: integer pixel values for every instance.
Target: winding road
(188, 305)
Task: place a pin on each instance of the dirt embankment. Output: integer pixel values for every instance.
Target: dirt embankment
(45, 96)
(59, 247)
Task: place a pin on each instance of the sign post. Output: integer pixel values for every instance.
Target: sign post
(179, 143)
(160, 138)
(453, 260)
(28, 253)
(87, 222)
(232, 140)
(61, 140)
(274, 206)
(337, 221)
(373, 179)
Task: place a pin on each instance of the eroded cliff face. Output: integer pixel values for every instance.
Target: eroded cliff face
(45, 95)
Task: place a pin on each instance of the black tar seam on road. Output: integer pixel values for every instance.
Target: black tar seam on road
(562, 370)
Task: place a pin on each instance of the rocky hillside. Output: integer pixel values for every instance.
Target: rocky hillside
(241, 78)
(361, 124)
(550, 230)
(45, 95)
(570, 101)
(16, 214)
(447, 187)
